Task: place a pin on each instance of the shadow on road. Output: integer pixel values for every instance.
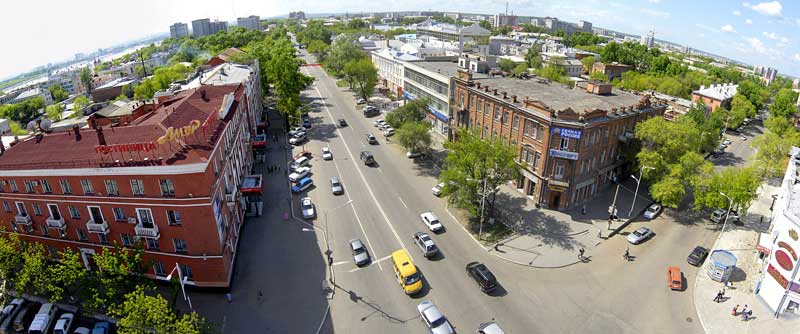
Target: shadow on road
(376, 308)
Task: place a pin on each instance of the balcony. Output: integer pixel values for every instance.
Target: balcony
(56, 223)
(94, 227)
(23, 220)
(147, 232)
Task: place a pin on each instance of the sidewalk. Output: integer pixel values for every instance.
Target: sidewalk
(741, 240)
(551, 239)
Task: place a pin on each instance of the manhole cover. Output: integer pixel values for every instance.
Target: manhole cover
(689, 319)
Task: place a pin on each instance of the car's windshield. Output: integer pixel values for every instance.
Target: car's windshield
(358, 249)
(411, 279)
(438, 322)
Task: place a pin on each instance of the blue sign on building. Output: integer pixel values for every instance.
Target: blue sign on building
(568, 133)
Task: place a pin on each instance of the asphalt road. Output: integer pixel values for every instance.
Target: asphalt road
(381, 206)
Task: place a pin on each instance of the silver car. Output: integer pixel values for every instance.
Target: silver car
(433, 318)
(360, 254)
(307, 207)
(641, 234)
(336, 186)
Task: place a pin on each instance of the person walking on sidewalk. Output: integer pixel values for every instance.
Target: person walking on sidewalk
(718, 298)
(580, 254)
(735, 310)
(627, 255)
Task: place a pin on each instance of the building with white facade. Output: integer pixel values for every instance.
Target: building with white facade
(252, 22)
(779, 286)
(647, 40)
(766, 73)
(33, 93)
(179, 30)
(390, 64)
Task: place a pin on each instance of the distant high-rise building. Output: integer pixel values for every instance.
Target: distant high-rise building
(647, 40)
(201, 27)
(501, 20)
(251, 22)
(766, 73)
(218, 26)
(179, 30)
(585, 26)
(298, 15)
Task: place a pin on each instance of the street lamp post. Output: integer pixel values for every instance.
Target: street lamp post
(725, 222)
(638, 181)
(181, 279)
(328, 251)
(483, 204)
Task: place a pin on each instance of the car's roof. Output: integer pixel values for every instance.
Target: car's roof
(429, 215)
(334, 179)
(643, 229)
(356, 242)
(306, 200)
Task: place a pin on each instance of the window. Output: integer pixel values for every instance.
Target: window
(6, 206)
(186, 272)
(496, 113)
(65, 187)
(46, 187)
(137, 187)
(119, 214)
(145, 217)
(81, 234)
(111, 187)
(494, 134)
(515, 123)
(151, 243)
(485, 131)
(505, 117)
(564, 144)
(180, 245)
(167, 188)
(526, 130)
(173, 217)
(528, 157)
(480, 106)
(44, 229)
(87, 187)
(13, 185)
(559, 170)
(216, 169)
(536, 158)
(21, 211)
(103, 238)
(2, 186)
(539, 133)
(28, 186)
(37, 210)
(126, 240)
(158, 269)
(73, 212)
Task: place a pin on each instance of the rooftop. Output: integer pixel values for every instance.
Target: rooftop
(28, 94)
(718, 91)
(445, 68)
(117, 82)
(557, 96)
(62, 149)
(223, 74)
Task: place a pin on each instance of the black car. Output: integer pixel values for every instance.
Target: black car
(371, 139)
(482, 275)
(342, 122)
(367, 158)
(697, 256)
(307, 124)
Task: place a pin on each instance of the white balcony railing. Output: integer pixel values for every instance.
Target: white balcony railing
(94, 227)
(56, 223)
(23, 220)
(147, 232)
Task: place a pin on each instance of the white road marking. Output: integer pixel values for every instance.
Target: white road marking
(375, 261)
(401, 202)
(364, 179)
(340, 263)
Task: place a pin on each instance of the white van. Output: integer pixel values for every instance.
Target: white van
(299, 162)
(43, 319)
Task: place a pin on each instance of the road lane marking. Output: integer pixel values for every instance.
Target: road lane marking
(339, 263)
(364, 179)
(401, 202)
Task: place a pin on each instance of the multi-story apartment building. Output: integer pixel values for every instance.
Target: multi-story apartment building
(568, 141)
(34, 93)
(252, 22)
(216, 26)
(715, 96)
(179, 30)
(765, 73)
(390, 65)
(611, 70)
(174, 179)
(473, 34)
(201, 27)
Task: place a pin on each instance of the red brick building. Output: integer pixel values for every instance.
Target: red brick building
(569, 141)
(174, 178)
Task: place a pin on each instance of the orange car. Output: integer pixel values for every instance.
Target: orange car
(675, 278)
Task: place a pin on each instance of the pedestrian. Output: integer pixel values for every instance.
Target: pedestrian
(627, 255)
(260, 295)
(735, 310)
(228, 296)
(580, 254)
(718, 297)
(583, 209)
(744, 310)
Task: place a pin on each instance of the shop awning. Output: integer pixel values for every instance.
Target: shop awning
(764, 243)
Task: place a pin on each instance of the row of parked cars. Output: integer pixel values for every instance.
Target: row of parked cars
(20, 315)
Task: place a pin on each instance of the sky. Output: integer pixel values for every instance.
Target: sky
(755, 32)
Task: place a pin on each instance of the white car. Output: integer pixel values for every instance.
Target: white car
(296, 130)
(298, 138)
(388, 132)
(437, 189)
(326, 154)
(652, 211)
(307, 207)
(299, 173)
(726, 142)
(412, 155)
(378, 123)
(433, 318)
(641, 234)
(63, 324)
(299, 162)
(432, 222)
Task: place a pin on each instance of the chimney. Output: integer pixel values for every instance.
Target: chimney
(77, 132)
(505, 95)
(101, 138)
(494, 91)
(478, 85)
(514, 98)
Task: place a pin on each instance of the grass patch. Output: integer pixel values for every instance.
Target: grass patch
(342, 83)
(495, 232)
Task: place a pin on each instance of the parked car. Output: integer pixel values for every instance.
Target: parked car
(336, 186)
(302, 185)
(102, 327)
(360, 254)
(743, 138)
(9, 313)
(437, 189)
(299, 162)
(367, 158)
(326, 154)
(370, 111)
(697, 256)
(489, 328)
(361, 100)
(307, 123)
(726, 142)
(412, 154)
(721, 147)
(307, 207)
(718, 216)
(24, 316)
(63, 324)
(299, 173)
(298, 138)
(433, 318)
(652, 211)
(425, 244)
(432, 222)
(482, 275)
(640, 235)
(292, 132)
(41, 322)
(82, 330)
(377, 123)
(342, 122)
(675, 278)
(388, 132)
(371, 139)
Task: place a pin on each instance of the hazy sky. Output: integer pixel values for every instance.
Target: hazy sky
(37, 32)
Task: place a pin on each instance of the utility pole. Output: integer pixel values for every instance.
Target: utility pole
(141, 61)
(636, 193)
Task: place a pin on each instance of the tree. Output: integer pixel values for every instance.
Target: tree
(364, 76)
(754, 92)
(31, 276)
(470, 161)
(588, 62)
(533, 57)
(58, 92)
(412, 111)
(784, 103)
(741, 108)
(319, 49)
(507, 65)
(598, 76)
(414, 136)
(778, 125)
(10, 257)
(740, 184)
(119, 271)
(54, 111)
(343, 50)
(65, 276)
(520, 69)
(772, 150)
(86, 79)
(139, 313)
(80, 103)
(485, 24)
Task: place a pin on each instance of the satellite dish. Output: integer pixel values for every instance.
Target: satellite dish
(45, 125)
(31, 126)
